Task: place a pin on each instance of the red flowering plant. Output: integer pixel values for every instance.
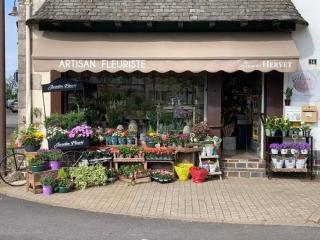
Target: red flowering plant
(160, 153)
(199, 132)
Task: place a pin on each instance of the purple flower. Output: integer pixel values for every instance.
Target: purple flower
(295, 146)
(285, 146)
(275, 146)
(80, 131)
(304, 146)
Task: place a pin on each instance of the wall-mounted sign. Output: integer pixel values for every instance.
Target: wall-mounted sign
(62, 85)
(293, 113)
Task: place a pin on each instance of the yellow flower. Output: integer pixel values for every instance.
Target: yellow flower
(38, 135)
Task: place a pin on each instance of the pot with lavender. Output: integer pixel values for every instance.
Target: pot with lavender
(295, 148)
(304, 148)
(284, 148)
(274, 147)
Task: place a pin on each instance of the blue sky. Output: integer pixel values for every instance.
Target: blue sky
(11, 40)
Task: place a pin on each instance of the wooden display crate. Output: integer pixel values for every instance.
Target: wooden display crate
(33, 180)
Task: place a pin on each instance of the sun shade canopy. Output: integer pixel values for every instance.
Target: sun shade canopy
(163, 52)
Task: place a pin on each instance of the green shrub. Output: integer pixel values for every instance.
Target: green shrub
(65, 121)
(88, 176)
(47, 180)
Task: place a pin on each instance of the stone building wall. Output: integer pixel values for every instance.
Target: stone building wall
(22, 62)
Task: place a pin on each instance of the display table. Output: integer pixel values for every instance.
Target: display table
(183, 154)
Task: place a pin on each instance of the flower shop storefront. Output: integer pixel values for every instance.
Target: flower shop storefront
(157, 99)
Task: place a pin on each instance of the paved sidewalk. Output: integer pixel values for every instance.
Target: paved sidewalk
(234, 200)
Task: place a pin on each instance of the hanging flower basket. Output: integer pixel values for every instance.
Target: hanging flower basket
(198, 174)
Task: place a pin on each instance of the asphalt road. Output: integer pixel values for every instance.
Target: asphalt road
(22, 220)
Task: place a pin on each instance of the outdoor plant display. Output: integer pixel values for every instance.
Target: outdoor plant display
(66, 121)
(47, 182)
(56, 133)
(199, 132)
(88, 176)
(305, 129)
(152, 138)
(269, 126)
(36, 164)
(277, 161)
(129, 152)
(132, 170)
(304, 148)
(63, 181)
(284, 148)
(275, 147)
(31, 138)
(284, 125)
(288, 95)
(109, 132)
(55, 156)
(162, 176)
(198, 174)
(112, 175)
(81, 131)
(295, 147)
(182, 139)
(161, 153)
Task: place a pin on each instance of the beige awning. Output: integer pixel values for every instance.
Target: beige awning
(163, 52)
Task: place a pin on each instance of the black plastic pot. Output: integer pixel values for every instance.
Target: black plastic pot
(287, 102)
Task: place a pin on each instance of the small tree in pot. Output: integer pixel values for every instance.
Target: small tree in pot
(288, 95)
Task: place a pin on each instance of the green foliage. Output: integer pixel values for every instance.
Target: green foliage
(111, 173)
(36, 161)
(63, 178)
(91, 116)
(50, 155)
(288, 93)
(47, 180)
(128, 170)
(66, 121)
(88, 176)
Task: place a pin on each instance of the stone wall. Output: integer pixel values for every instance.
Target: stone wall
(22, 62)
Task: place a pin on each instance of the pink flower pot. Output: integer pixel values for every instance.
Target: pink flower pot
(54, 165)
(47, 190)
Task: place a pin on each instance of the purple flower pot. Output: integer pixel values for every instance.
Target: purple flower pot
(54, 165)
(47, 190)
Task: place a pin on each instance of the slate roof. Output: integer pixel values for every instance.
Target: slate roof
(167, 10)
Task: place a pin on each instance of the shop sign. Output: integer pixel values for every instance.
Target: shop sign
(61, 85)
(93, 64)
(266, 64)
(69, 144)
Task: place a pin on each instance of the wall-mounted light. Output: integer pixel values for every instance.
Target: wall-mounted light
(14, 11)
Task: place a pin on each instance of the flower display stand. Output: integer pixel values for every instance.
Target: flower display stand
(271, 167)
(117, 160)
(211, 163)
(33, 180)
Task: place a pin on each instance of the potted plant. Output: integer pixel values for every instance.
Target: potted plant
(183, 139)
(63, 181)
(122, 137)
(285, 126)
(290, 162)
(269, 124)
(198, 174)
(295, 147)
(109, 132)
(31, 138)
(301, 161)
(36, 164)
(112, 175)
(55, 134)
(284, 147)
(55, 157)
(47, 182)
(199, 132)
(304, 148)
(306, 130)
(274, 147)
(152, 139)
(288, 95)
(277, 161)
